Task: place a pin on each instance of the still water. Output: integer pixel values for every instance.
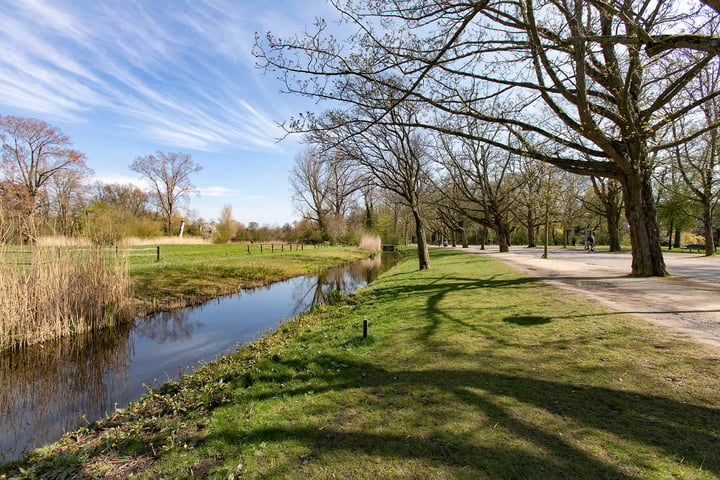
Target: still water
(52, 388)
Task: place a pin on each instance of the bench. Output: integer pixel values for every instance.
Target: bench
(695, 246)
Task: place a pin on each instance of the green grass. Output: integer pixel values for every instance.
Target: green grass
(191, 274)
(471, 370)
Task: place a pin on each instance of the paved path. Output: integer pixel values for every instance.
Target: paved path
(687, 303)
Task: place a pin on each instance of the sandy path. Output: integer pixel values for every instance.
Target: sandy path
(687, 307)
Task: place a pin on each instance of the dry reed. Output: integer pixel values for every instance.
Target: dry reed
(62, 241)
(48, 293)
(187, 240)
(370, 242)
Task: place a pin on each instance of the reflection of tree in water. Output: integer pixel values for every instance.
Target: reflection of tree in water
(312, 291)
(44, 389)
(168, 326)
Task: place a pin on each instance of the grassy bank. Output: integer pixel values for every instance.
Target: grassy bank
(192, 274)
(471, 370)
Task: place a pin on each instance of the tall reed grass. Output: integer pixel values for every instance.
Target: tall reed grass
(370, 242)
(47, 293)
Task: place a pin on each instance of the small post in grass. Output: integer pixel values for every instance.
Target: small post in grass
(158, 253)
(365, 328)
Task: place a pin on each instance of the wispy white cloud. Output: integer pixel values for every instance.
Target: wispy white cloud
(216, 191)
(180, 74)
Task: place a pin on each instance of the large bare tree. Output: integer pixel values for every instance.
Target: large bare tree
(698, 161)
(309, 183)
(573, 79)
(169, 176)
(34, 152)
(482, 177)
(323, 186)
(392, 155)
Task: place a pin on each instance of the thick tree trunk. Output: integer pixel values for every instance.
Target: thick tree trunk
(323, 226)
(709, 230)
(613, 226)
(678, 237)
(503, 237)
(647, 259)
(463, 237)
(423, 254)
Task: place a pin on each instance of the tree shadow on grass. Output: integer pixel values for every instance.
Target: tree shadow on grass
(436, 289)
(612, 419)
(527, 320)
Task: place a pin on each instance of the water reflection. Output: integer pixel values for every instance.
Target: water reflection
(313, 291)
(48, 389)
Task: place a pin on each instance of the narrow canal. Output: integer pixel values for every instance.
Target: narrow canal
(55, 387)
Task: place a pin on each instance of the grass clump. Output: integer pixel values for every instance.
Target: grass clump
(471, 370)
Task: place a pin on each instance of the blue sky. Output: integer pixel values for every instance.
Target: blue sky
(125, 78)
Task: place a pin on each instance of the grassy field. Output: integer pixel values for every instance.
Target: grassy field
(471, 370)
(192, 274)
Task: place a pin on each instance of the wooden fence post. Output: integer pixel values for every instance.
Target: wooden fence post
(158, 253)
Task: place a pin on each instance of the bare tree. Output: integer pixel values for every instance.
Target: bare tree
(393, 155)
(323, 185)
(698, 161)
(68, 198)
(33, 152)
(483, 178)
(609, 205)
(128, 197)
(309, 183)
(529, 199)
(577, 88)
(169, 174)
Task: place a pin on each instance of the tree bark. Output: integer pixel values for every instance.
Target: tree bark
(613, 232)
(709, 230)
(463, 237)
(423, 254)
(647, 259)
(503, 237)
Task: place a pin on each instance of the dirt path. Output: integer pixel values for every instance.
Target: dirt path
(687, 307)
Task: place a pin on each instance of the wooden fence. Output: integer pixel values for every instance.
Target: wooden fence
(23, 255)
(274, 247)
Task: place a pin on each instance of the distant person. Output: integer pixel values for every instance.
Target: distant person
(591, 243)
(574, 242)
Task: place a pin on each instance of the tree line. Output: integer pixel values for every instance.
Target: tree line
(465, 95)
(44, 189)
